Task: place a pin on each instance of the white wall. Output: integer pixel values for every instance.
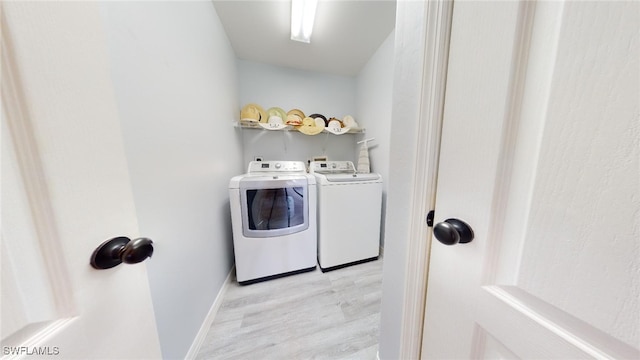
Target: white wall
(311, 92)
(174, 73)
(373, 99)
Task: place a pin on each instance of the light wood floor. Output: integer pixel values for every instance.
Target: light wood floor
(314, 315)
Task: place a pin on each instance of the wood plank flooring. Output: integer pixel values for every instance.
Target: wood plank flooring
(313, 315)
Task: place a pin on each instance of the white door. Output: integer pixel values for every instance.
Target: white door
(540, 156)
(65, 190)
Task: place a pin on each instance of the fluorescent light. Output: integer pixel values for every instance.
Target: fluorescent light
(303, 13)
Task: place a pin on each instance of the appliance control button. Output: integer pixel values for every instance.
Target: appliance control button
(278, 165)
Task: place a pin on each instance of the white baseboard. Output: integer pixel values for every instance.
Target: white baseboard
(206, 324)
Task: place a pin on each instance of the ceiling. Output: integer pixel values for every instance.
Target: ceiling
(346, 33)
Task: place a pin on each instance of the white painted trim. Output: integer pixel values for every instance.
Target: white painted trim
(509, 138)
(437, 32)
(543, 321)
(31, 168)
(208, 320)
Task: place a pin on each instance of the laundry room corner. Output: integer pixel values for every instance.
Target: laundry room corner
(374, 90)
(174, 74)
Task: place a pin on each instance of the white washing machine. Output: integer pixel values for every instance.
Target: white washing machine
(349, 212)
(273, 215)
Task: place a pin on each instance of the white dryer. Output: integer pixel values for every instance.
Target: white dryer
(349, 212)
(273, 215)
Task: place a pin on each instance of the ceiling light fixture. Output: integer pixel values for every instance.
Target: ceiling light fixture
(303, 13)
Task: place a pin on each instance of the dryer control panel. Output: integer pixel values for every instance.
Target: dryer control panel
(296, 167)
(332, 167)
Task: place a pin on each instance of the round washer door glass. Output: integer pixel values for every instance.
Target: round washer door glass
(274, 208)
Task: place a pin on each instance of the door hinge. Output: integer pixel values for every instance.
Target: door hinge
(430, 216)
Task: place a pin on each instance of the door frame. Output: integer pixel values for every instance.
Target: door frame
(437, 21)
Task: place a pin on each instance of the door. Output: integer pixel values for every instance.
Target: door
(540, 157)
(65, 190)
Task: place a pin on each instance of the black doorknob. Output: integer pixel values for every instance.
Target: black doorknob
(119, 250)
(453, 231)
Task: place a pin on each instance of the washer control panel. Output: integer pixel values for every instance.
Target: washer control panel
(276, 166)
(332, 167)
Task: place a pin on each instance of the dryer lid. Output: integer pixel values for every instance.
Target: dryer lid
(352, 177)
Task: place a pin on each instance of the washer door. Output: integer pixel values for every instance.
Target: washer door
(274, 207)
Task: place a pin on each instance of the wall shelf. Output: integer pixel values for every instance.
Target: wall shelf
(257, 126)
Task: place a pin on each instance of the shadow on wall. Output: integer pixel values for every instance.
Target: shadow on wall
(228, 231)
